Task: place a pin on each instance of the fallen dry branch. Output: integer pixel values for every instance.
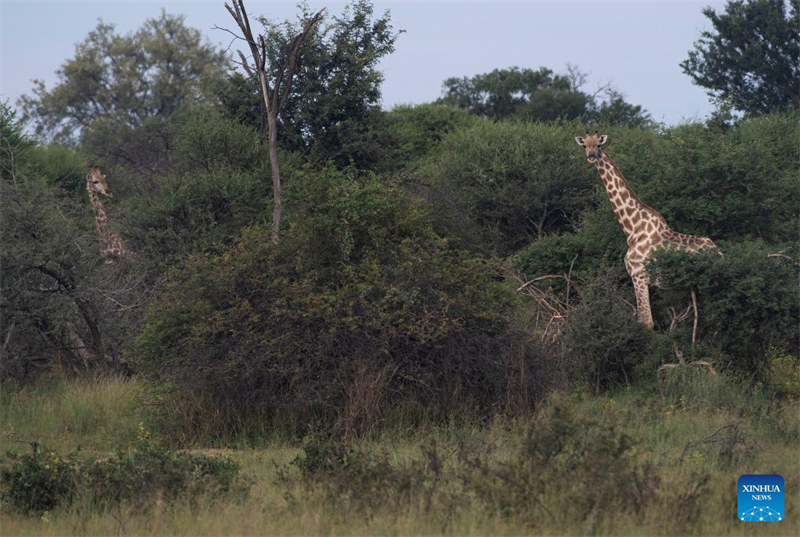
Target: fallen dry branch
(552, 309)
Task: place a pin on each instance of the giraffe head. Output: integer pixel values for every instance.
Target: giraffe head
(96, 182)
(592, 143)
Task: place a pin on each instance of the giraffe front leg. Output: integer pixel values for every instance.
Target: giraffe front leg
(640, 286)
(634, 262)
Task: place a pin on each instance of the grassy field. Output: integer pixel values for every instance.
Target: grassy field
(659, 461)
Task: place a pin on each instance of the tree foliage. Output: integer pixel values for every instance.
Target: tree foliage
(420, 128)
(523, 93)
(498, 186)
(358, 310)
(541, 95)
(126, 80)
(749, 304)
(751, 58)
(332, 111)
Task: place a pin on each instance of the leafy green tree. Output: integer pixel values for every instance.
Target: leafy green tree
(616, 111)
(116, 95)
(215, 188)
(12, 142)
(332, 111)
(542, 95)
(519, 93)
(126, 79)
(752, 56)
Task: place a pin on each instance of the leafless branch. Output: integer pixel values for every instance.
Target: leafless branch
(781, 255)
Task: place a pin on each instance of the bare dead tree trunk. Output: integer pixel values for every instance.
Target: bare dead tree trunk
(272, 97)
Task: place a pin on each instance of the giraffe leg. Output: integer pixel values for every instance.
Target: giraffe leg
(640, 286)
(634, 262)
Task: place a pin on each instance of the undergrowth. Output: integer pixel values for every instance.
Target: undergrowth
(43, 480)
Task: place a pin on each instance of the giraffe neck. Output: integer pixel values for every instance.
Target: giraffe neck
(110, 243)
(631, 213)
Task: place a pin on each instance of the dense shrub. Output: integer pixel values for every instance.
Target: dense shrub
(420, 128)
(495, 187)
(194, 212)
(205, 141)
(604, 344)
(39, 482)
(359, 309)
(598, 242)
(749, 302)
(43, 480)
(600, 461)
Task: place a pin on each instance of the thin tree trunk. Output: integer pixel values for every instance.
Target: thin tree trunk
(276, 177)
(271, 98)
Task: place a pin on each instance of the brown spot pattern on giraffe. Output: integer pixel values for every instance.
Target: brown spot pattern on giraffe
(645, 229)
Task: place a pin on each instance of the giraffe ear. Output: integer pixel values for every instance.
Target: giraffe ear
(581, 142)
(602, 139)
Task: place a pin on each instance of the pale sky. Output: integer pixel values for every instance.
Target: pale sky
(636, 46)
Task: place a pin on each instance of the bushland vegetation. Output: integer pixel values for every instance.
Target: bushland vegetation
(443, 332)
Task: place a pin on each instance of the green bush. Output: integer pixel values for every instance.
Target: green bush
(604, 343)
(598, 242)
(748, 301)
(151, 472)
(40, 481)
(43, 481)
(357, 310)
(420, 128)
(360, 482)
(602, 465)
(195, 212)
(206, 142)
(784, 374)
(495, 187)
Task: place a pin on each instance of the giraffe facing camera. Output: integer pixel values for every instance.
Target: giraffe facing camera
(645, 229)
(110, 242)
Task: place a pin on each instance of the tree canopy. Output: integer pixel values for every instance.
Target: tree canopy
(540, 95)
(751, 58)
(332, 110)
(126, 79)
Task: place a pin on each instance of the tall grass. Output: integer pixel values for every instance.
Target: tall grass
(536, 475)
(99, 414)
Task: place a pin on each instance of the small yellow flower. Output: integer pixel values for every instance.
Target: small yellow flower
(143, 434)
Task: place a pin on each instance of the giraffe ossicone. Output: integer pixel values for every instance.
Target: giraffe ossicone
(645, 229)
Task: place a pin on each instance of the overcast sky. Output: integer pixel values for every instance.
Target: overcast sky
(635, 46)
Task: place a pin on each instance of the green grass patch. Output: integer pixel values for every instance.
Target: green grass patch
(100, 414)
(658, 461)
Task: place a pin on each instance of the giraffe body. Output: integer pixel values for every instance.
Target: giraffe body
(110, 243)
(645, 229)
